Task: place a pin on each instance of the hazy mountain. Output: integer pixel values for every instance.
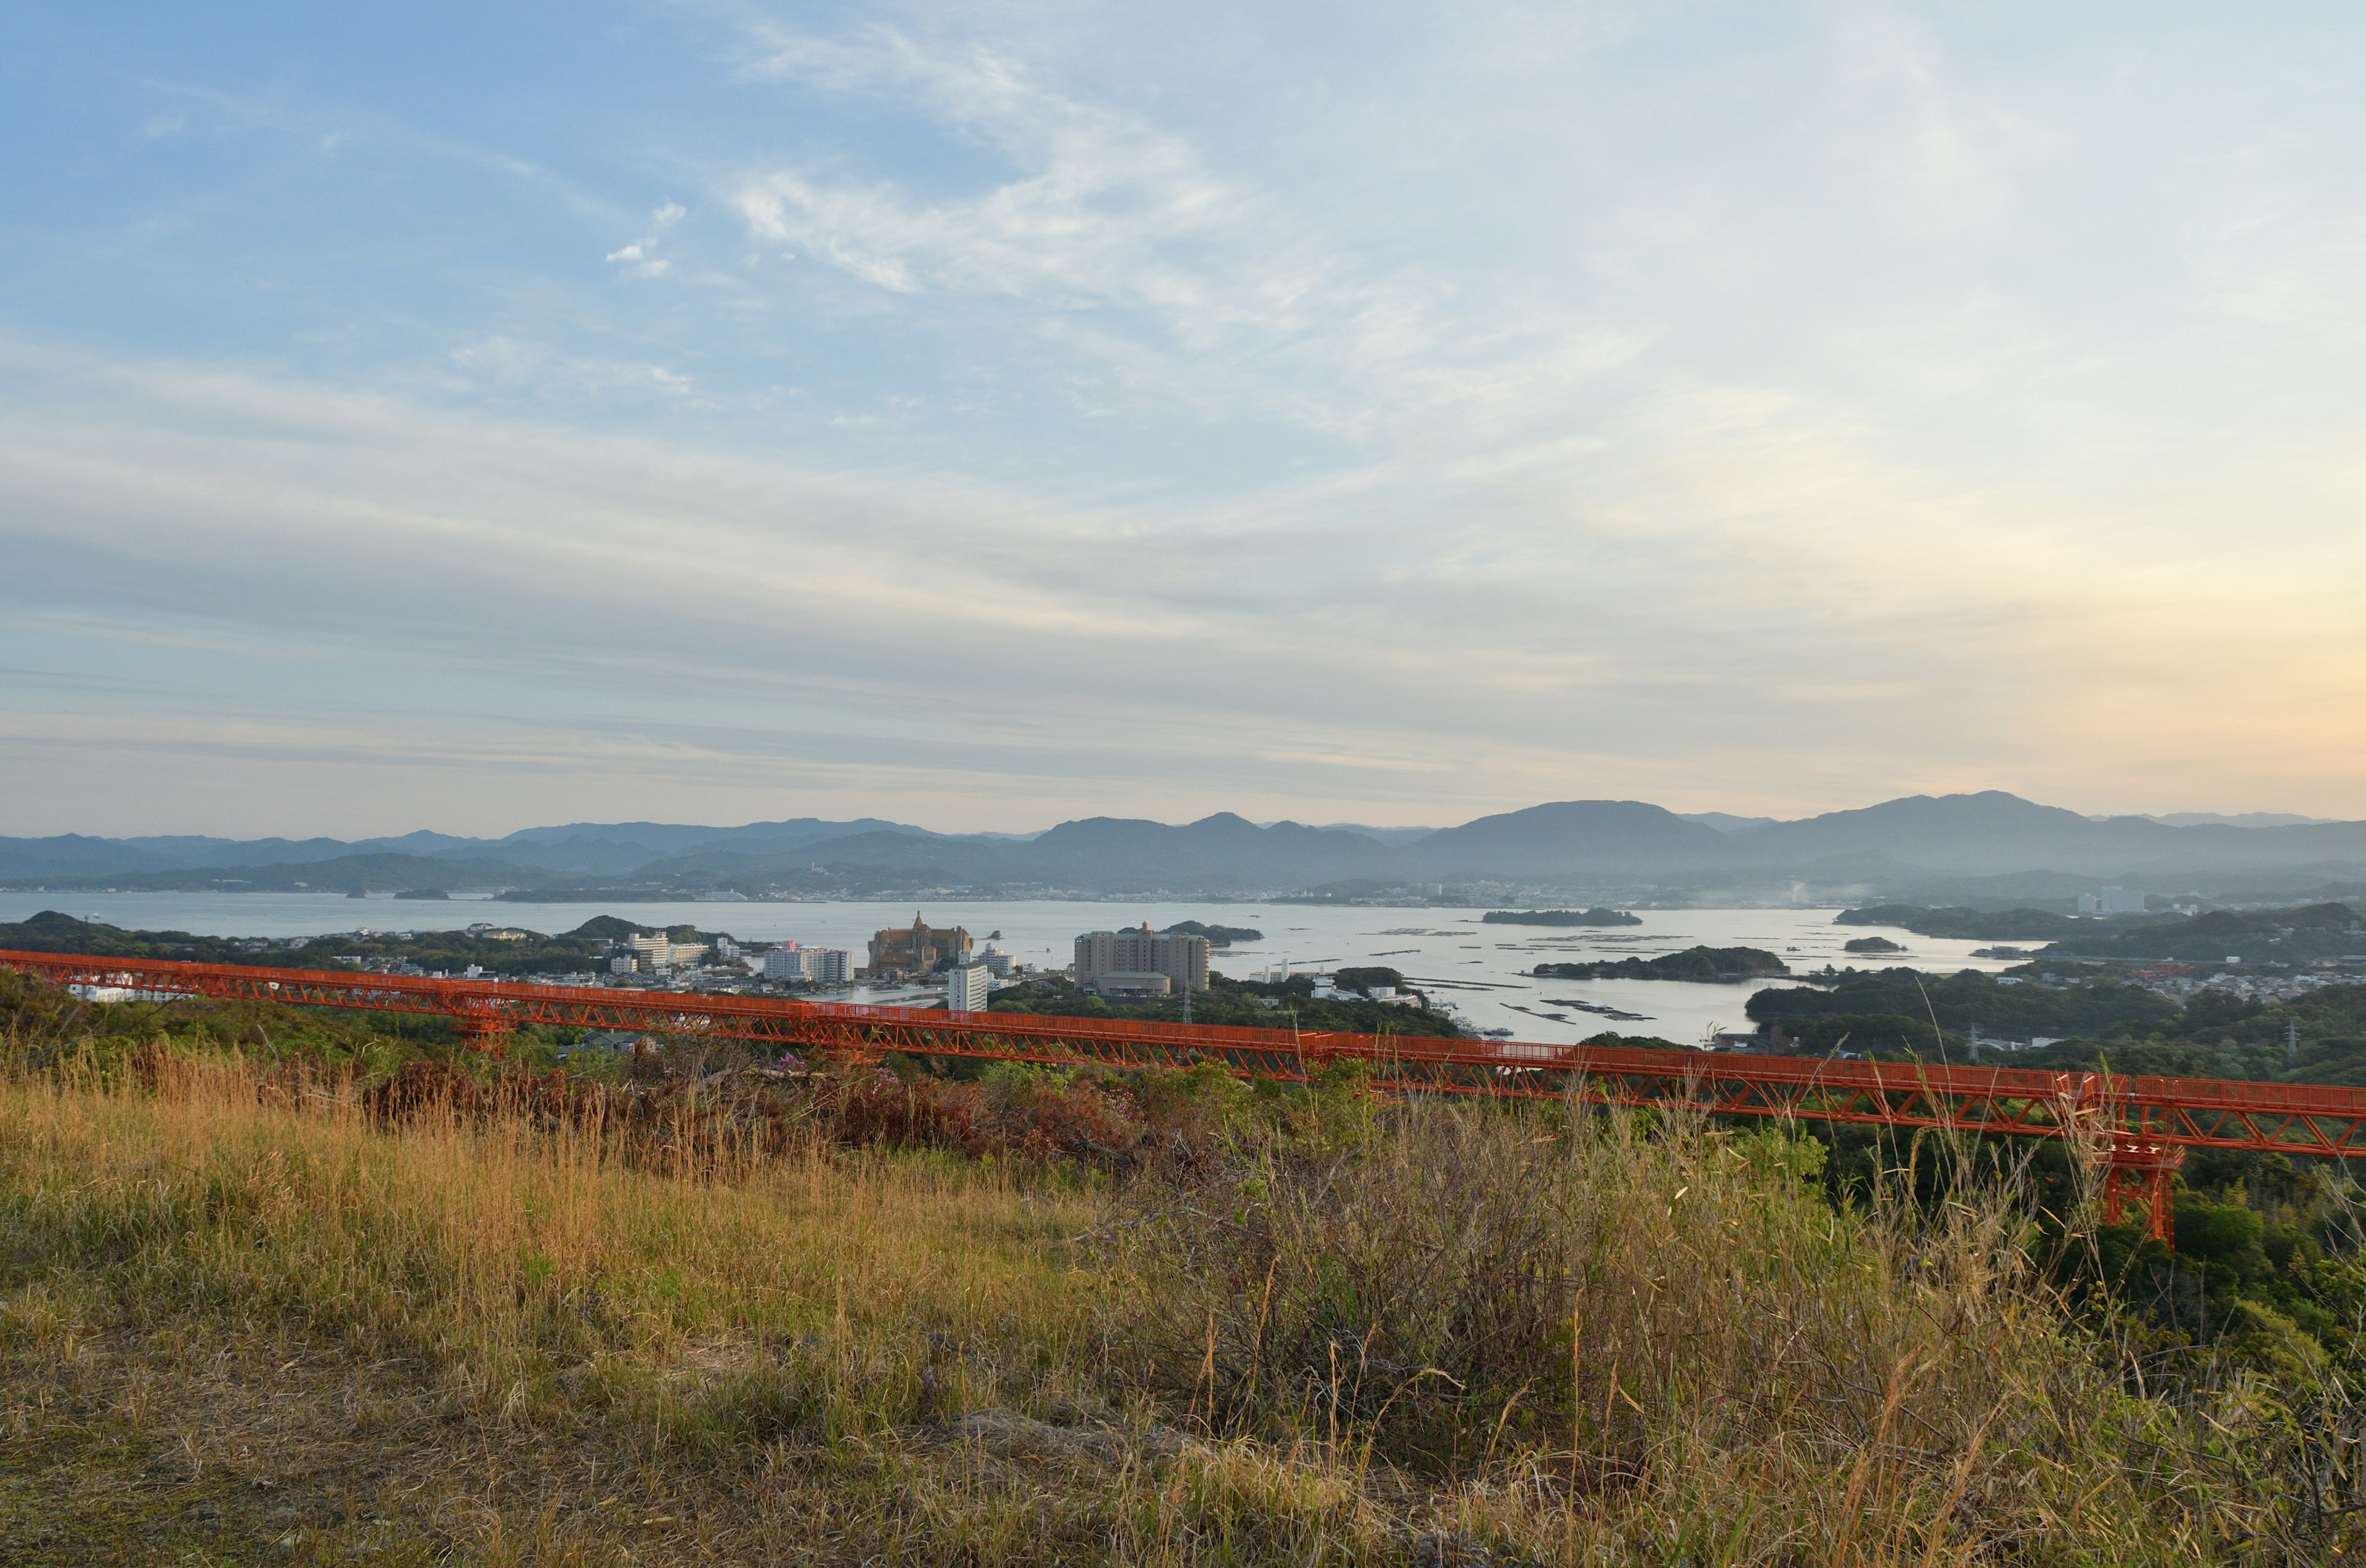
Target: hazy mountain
(1993, 833)
(1224, 850)
(1569, 837)
(340, 874)
(73, 855)
(1920, 841)
(927, 855)
(1395, 838)
(672, 838)
(1726, 821)
(2241, 819)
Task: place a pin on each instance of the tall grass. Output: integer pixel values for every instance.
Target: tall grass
(1438, 1335)
(1631, 1339)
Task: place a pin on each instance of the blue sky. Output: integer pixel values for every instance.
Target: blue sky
(476, 416)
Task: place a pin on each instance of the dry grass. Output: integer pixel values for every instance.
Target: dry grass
(243, 1327)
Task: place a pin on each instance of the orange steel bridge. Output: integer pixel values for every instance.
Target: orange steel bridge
(2137, 1128)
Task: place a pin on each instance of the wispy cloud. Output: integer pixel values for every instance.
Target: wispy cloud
(1324, 413)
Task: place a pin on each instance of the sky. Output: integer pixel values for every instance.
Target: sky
(981, 415)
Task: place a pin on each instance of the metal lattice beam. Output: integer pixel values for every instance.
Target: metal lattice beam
(2144, 1124)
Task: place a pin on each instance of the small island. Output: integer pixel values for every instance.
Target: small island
(1218, 936)
(1692, 964)
(1559, 918)
(1872, 944)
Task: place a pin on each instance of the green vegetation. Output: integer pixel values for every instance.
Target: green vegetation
(1244, 1004)
(1872, 944)
(2099, 1022)
(1218, 936)
(2261, 936)
(524, 953)
(2265, 1263)
(1970, 925)
(2319, 1037)
(1961, 1002)
(398, 1309)
(1692, 964)
(2298, 935)
(1559, 918)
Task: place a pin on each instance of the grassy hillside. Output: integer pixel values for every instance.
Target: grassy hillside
(331, 1301)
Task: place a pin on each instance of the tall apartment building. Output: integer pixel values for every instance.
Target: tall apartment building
(967, 987)
(922, 950)
(1182, 959)
(828, 966)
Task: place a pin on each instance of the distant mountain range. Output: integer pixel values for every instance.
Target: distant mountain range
(1957, 846)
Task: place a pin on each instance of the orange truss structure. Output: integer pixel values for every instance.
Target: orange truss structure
(2138, 1129)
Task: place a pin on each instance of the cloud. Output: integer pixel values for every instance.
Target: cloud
(1151, 259)
(1720, 629)
(1300, 413)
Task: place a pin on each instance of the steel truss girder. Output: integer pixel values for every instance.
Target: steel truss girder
(2131, 1119)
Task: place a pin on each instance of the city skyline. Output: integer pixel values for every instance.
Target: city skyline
(987, 417)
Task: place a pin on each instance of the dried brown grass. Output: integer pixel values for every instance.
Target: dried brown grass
(239, 1323)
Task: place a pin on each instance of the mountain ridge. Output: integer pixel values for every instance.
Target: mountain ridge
(1911, 839)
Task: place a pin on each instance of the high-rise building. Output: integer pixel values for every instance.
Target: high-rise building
(1182, 959)
(661, 952)
(921, 950)
(829, 965)
(967, 987)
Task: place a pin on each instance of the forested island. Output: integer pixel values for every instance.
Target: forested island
(1218, 936)
(1970, 925)
(505, 952)
(1559, 918)
(1692, 964)
(1247, 1004)
(2298, 935)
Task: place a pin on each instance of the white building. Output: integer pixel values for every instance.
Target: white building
(2112, 901)
(967, 987)
(662, 952)
(825, 965)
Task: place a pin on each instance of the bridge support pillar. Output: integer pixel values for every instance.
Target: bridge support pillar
(2142, 1170)
(485, 1030)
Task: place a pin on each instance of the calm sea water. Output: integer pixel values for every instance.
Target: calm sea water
(1476, 966)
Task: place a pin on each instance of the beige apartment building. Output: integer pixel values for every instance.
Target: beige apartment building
(1182, 959)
